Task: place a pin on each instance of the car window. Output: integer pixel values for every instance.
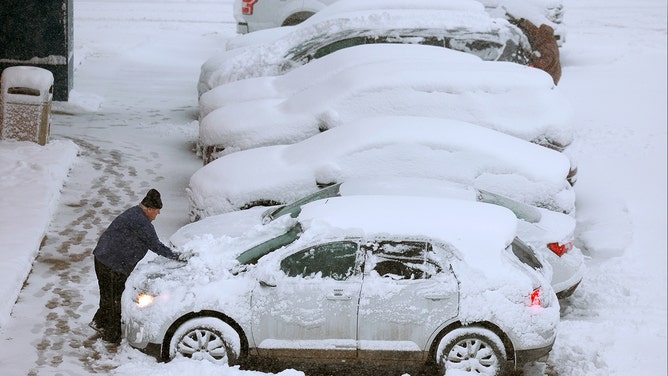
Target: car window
(338, 45)
(434, 41)
(252, 255)
(410, 36)
(304, 51)
(334, 260)
(400, 260)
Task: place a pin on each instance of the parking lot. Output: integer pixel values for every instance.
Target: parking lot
(134, 116)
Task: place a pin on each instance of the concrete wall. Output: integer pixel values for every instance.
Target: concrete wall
(39, 33)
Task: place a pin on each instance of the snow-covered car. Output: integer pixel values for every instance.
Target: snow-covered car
(253, 15)
(387, 146)
(549, 233)
(458, 24)
(407, 80)
(409, 280)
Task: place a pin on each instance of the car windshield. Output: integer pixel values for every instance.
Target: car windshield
(525, 254)
(252, 255)
(316, 42)
(487, 47)
(521, 210)
(295, 207)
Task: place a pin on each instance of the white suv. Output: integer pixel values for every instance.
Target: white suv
(252, 15)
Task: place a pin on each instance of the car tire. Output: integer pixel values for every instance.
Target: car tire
(472, 350)
(206, 338)
(297, 18)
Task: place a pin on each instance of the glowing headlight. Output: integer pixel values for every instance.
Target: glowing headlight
(143, 299)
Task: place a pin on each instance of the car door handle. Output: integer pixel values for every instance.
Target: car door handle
(338, 295)
(435, 297)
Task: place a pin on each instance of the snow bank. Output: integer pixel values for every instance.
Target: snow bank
(32, 176)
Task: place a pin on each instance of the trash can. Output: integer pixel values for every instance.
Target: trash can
(25, 104)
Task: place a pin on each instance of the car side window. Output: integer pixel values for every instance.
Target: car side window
(400, 260)
(334, 260)
(338, 45)
(435, 41)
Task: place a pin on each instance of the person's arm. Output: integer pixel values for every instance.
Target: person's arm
(154, 244)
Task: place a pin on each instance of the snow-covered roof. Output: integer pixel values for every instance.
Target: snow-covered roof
(385, 146)
(474, 228)
(321, 69)
(511, 98)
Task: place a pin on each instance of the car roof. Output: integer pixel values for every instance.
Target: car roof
(315, 71)
(456, 137)
(455, 85)
(473, 228)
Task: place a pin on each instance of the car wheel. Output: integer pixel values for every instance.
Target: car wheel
(472, 350)
(206, 338)
(296, 19)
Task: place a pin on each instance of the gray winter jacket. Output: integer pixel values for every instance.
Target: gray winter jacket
(126, 241)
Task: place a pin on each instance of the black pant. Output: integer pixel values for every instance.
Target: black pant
(108, 316)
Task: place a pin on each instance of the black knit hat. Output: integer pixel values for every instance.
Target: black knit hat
(152, 200)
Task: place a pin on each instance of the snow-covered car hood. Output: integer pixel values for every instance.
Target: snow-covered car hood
(213, 250)
(232, 225)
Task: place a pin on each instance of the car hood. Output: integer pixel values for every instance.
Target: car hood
(214, 244)
(233, 224)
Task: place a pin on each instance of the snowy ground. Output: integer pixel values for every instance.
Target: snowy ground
(132, 116)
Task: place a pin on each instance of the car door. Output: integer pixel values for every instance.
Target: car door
(310, 308)
(406, 295)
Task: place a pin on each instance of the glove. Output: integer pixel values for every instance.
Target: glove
(184, 256)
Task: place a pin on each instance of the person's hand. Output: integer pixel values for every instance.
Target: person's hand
(184, 256)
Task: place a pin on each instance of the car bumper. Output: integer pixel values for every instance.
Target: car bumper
(568, 292)
(533, 355)
(568, 271)
(136, 336)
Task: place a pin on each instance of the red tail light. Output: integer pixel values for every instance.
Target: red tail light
(560, 249)
(247, 7)
(535, 298)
